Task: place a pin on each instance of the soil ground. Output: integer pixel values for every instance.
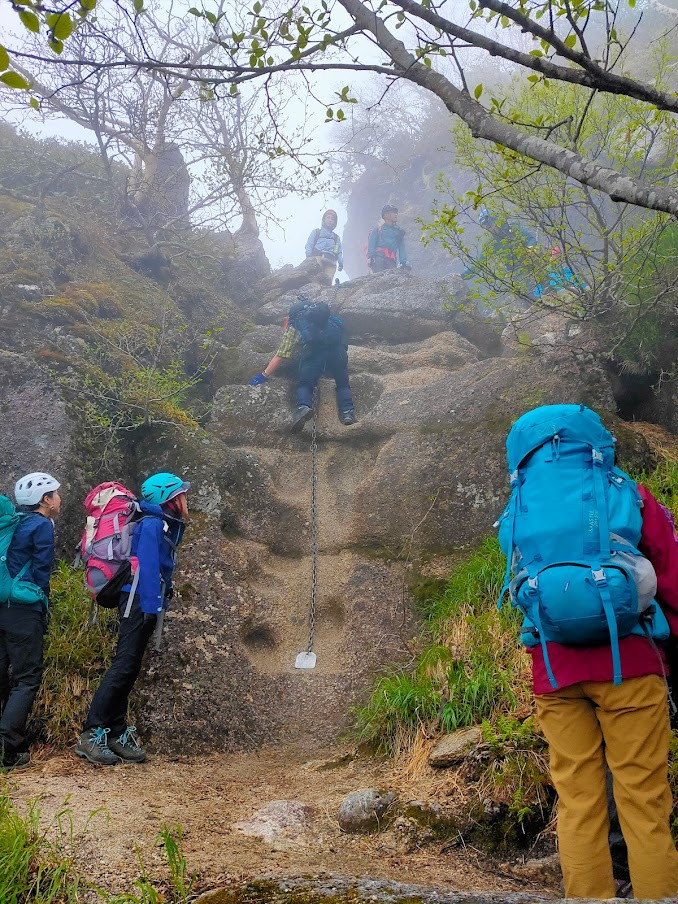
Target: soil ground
(205, 796)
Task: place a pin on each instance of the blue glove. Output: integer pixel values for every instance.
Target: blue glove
(258, 380)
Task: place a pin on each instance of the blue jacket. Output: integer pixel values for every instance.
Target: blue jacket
(325, 241)
(387, 241)
(33, 542)
(154, 543)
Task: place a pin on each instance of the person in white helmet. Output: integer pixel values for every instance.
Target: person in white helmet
(22, 625)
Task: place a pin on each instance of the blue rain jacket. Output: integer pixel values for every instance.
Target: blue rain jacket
(154, 543)
(33, 542)
(325, 241)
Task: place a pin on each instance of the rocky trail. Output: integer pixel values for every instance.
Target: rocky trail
(117, 812)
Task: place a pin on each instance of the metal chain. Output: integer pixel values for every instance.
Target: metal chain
(314, 519)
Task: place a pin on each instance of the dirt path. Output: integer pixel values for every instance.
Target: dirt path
(206, 796)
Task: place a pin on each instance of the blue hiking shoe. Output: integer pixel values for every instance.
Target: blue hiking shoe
(299, 418)
(93, 746)
(347, 417)
(9, 761)
(127, 746)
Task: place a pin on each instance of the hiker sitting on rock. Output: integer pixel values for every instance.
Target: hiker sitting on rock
(386, 243)
(323, 350)
(325, 245)
(164, 510)
(23, 606)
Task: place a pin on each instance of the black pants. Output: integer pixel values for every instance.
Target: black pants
(22, 631)
(109, 704)
(382, 263)
(332, 361)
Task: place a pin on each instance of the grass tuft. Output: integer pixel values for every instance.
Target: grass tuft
(76, 656)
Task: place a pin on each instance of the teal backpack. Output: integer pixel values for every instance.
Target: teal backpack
(14, 589)
(570, 533)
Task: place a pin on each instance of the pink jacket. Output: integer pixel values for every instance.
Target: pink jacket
(638, 657)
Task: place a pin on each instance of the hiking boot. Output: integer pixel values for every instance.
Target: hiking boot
(347, 417)
(93, 746)
(14, 761)
(127, 747)
(301, 415)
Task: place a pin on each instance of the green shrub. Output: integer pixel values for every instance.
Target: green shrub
(37, 863)
(76, 656)
(33, 868)
(470, 667)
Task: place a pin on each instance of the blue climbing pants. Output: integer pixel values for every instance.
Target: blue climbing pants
(314, 363)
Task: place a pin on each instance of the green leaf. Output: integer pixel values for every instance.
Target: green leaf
(64, 27)
(61, 25)
(195, 12)
(13, 80)
(536, 53)
(30, 20)
(88, 4)
(35, 103)
(138, 6)
(478, 91)
(211, 18)
(533, 78)
(570, 41)
(56, 46)
(4, 59)
(329, 113)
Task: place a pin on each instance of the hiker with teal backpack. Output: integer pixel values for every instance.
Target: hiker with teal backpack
(26, 560)
(386, 243)
(325, 245)
(595, 574)
(107, 738)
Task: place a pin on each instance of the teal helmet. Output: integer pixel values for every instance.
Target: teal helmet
(160, 488)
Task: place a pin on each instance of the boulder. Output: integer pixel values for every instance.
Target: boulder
(279, 818)
(453, 748)
(364, 811)
(307, 276)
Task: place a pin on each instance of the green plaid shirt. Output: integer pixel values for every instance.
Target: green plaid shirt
(290, 344)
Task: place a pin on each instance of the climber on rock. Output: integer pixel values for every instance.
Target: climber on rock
(290, 342)
(386, 243)
(325, 245)
(323, 351)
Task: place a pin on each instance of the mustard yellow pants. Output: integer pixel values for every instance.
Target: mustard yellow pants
(588, 725)
(329, 267)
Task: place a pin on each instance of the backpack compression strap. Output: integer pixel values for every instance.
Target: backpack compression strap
(598, 571)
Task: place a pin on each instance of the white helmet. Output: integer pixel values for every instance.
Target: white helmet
(30, 489)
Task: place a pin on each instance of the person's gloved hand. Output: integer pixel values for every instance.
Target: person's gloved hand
(340, 267)
(169, 593)
(258, 379)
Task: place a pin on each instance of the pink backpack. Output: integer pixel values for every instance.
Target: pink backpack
(112, 513)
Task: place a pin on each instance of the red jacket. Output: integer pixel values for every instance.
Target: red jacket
(638, 657)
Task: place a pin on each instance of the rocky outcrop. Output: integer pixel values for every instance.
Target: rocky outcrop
(422, 471)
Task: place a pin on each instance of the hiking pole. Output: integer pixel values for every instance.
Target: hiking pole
(307, 658)
(157, 631)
